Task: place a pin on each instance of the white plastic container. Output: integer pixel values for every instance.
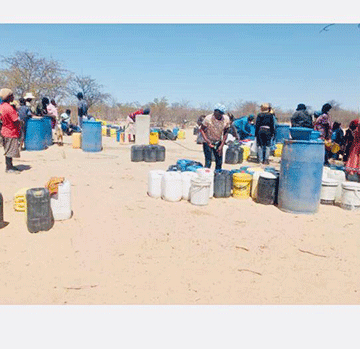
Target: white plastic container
(350, 198)
(171, 186)
(328, 191)
(186, 177)
(154, 183)
(207, 173)
(61, 202)
(254, 183)
(341, 178)
(199, 191)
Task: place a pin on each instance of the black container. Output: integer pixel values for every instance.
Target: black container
(160, 153)
(108, 131)
(222, 183)
(240, 155)
(39, 216)
(137, 153)
(150, 153)
(267, 190)
(231, 155)
(1, 211)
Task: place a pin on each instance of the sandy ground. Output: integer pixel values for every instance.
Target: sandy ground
(123, 247)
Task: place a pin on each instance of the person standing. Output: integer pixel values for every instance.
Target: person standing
(82, 108)
(10, 130)
(29, 102)
(301, 117)
(214, 130)
(24, 115)
(323, 125)
(264, 132)
(352, 165)
(349, 138)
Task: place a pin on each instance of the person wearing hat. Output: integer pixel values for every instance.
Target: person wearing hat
(10, 130)
(82, 108)
(29, 102)
(264, 132)
(301, 117)
(244, 126)
(214, 130)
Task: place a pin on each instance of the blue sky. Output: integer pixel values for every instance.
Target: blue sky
(284, 64)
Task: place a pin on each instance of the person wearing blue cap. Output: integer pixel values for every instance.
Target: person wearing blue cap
(214, 130)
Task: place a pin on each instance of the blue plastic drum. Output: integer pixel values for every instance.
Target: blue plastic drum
(301, 176)
(282, 132)
(91, 136)
(35, 135)
(48, 130)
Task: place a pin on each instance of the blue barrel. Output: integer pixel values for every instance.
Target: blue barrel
(301, 176)
(282, 132)
(176, 131)
(35, 135)
(91, 136)
(48, 130)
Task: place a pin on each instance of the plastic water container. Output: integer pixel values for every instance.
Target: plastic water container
(282, 132)
(246, 152)
(255, 182)
(2, 223)
(267, 188)
(103, 130)
(328, 191)
(200, 191)
(181, 134)
(208, 174)
(232, 155)
(150, 153)
(61, 202)
(154, 183)
(91, 136)
(137, 153)
(171, 186)
(38, 210)
(35, 135)
(160, 153)
(48, 130)
(350, 198)
(301, 176)
(154, 138)
(175, 131)
(76, 140)
(301, 133)
(222, 183)
(339, 176)
(241, 185)
(186, 178)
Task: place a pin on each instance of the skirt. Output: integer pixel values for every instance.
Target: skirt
(11, 147)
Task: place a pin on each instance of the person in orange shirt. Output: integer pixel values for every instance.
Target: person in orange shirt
(10, 130)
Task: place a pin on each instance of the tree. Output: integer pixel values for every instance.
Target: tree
(159, 110)
(27, 72)
(90, 89)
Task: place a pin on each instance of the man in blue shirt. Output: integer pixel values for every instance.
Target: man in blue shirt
(244, 127)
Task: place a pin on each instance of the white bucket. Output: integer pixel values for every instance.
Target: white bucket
(199, 191)
(340, 177)
(171, 186)
(206, 173)
(154, 183)
(350, 199)
(328, 191)
(61, 202)
(186, 177)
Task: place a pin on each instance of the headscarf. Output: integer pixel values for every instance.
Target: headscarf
(220, 107)
(354, 124)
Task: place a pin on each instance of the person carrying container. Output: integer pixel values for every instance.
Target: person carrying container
(244, 126)
(301, 117)
(10, 131)
(131, 120)
(214, 130)
(264, 132)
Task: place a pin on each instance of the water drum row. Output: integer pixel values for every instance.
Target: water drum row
(147, 153)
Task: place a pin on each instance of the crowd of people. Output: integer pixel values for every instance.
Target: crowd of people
(215, 128)
(14, 116)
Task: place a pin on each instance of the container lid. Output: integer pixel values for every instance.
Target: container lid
(246, 176)
(351, 185)
(267, 175)
(301, 141)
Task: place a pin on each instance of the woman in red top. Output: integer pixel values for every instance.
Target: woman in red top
(352, 166)
(10, 130)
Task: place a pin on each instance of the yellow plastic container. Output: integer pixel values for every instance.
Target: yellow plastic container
(278, 150)
(181, 134)
(246, 152)
(76, 140)
(335, 148)
(122, 138)
(241, 185)
(113, 132)
(20, 200)
(103, 130)
(154, 138)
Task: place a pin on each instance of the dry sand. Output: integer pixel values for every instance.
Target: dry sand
(123, 247)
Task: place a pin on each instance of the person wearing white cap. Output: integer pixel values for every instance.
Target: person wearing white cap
(10, 130)
(29, 98)
(214, 130)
